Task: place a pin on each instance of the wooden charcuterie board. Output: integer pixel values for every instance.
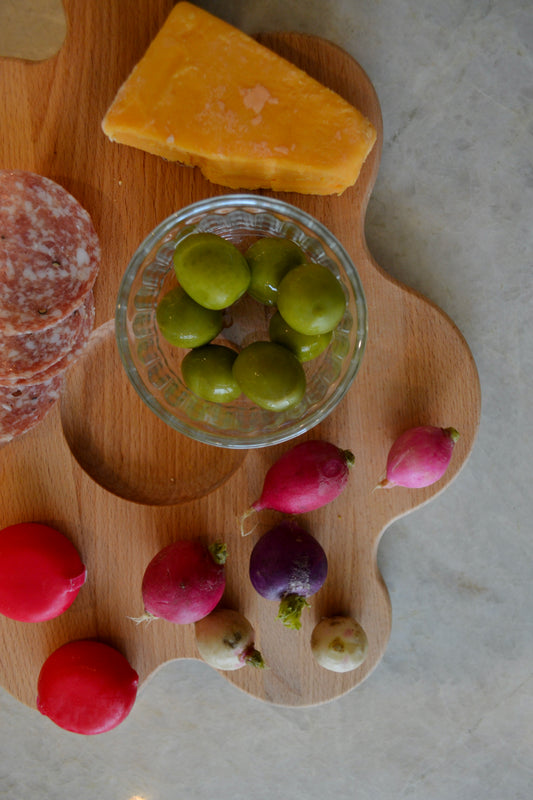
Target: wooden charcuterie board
(118, 482)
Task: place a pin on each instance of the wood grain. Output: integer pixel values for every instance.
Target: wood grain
(121, 485)
(31, 29)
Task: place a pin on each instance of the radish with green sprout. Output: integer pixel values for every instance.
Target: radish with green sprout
(226, 640)
(184, 582)
(339, 643)
(306, 477)
(419, 457)
(289, 565)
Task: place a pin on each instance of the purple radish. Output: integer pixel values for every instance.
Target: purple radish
(184, 582)
(287, 564)
(419, 457)
(306, 477)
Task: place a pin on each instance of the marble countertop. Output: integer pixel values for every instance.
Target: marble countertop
(447, 713)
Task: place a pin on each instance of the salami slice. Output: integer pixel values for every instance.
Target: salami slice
(22, 355)
(49, 252)
(22, 407)
(76, 335)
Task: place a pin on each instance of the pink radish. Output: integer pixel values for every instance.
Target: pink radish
(184, 582)
(419, 457)
(41, 572)
(226, 640)
(86, 687)
(308, 476)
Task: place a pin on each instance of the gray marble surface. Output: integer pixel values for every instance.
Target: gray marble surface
(447, 715)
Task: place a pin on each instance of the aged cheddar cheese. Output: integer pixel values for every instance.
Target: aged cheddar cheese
(206, 94)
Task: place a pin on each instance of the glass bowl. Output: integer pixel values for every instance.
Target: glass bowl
(153, 365)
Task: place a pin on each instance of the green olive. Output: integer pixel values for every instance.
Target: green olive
(183, 322)
(304, 347)
(311, 299)
(207, 371)
(269, 261)
(270, 376)
(211, 270)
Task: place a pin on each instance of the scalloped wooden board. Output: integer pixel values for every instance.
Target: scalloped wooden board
(107, 473)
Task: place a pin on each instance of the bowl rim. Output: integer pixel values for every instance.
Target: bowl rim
(261, 203)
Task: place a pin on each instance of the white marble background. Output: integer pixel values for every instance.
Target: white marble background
(448, 713)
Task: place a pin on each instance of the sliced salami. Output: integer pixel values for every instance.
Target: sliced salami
(23, 355)
(22, 407)
(49, 252)
(82, 323)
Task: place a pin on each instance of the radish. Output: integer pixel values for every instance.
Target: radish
(226, 640)
(308, 476)
(289, 565)
(86, 687)
(339, 643)
(419, 457)
(184, 582)
(41, 572)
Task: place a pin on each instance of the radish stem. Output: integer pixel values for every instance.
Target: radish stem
(243, 519)
(219, 552)
(146, 617)
(290, 609)
(254, 658)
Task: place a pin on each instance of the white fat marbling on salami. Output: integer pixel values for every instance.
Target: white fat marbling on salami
(23, 407)
(22, 355)
(74, 332)
(49, 252)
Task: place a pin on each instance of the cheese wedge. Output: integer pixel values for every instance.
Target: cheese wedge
(207, 95)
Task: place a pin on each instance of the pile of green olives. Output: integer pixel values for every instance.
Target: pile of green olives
(307, 303)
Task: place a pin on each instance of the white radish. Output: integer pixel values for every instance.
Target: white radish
(226, 641)
(339, 644)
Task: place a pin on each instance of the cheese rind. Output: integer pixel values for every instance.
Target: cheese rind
(206, 94)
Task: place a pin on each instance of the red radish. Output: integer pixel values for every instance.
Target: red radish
(419, 457)
(289, 565)
(226, 640)
(86, 687)
(41, 572)
(339, 644)
(308, 476)
(184, 582)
